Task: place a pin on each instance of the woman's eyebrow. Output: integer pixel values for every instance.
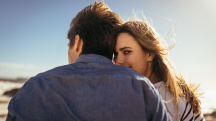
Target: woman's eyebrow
(123, 48)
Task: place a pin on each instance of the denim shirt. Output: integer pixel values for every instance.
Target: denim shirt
(91, 89)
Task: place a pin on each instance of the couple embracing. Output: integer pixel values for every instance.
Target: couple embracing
(140, 84)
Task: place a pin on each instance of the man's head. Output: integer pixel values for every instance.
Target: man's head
(93, 31)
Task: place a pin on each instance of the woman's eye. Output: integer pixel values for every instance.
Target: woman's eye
(127, 51)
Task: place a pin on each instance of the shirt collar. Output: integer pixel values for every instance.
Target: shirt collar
(93, 58)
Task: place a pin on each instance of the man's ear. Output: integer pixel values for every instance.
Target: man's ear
(150, 56)
(78, 44)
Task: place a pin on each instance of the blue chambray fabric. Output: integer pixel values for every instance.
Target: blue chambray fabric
(91, 89)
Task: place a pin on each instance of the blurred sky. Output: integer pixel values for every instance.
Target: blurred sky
(33, 33)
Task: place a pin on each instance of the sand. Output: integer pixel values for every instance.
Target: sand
(3, 108)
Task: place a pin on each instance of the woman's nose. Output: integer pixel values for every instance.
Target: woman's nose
(119, 61)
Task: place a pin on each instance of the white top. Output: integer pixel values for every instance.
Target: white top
(185, 110)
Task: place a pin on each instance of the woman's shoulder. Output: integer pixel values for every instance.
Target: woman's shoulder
(186, 112)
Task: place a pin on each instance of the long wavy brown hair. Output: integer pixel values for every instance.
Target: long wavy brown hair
(162, 65)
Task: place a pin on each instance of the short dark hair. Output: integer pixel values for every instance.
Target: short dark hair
(97, 26)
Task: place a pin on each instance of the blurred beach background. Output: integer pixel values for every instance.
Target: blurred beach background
(33, 39)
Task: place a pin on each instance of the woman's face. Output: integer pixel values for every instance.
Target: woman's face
(129, 53)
